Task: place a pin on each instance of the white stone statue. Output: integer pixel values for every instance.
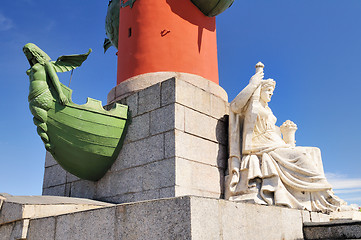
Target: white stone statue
(265, 168)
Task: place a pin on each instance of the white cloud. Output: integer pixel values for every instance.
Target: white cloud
(343, 182)
(353, 199)
(5, 23)
(347, 191)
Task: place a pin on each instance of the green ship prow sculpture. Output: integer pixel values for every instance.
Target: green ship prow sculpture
(84, 139)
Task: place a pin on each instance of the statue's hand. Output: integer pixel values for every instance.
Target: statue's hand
(288, 129)
(257, 78)
(63, 99)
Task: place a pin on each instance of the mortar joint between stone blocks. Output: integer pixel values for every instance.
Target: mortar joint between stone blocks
(207, 114)
(194, 135)
(202, 163)
(142, 165)
(149, 136)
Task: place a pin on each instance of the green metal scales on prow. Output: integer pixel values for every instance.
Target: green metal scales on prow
(84, 139)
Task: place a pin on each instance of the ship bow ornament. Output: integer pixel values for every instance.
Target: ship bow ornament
(84, 139)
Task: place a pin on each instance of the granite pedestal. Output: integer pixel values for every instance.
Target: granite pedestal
(176, 144)
(187, 217)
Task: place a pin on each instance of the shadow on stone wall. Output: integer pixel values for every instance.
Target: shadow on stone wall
(222, 156)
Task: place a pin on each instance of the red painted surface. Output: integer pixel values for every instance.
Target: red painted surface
(166, 35)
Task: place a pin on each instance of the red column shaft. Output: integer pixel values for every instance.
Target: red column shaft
(166, 35)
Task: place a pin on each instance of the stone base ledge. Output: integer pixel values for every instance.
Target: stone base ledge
(350, 215)
(338, 229)
(186, 217)
(14, 208)
(143, 81)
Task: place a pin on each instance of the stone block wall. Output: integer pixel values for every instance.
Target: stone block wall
(176, 145)
(175, 218)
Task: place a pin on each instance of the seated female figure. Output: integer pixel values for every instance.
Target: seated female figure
(262, 167)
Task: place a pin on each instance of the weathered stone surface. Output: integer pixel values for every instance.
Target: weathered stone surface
(145, 195)
(179, 117)
(143, 81)
(83, 189)
(199, 176)
(169, 144)
(16, 208)
(59, 190)
(149, 99)
(67, 189)
(201, 150)
(341, 229)
(353, 215)
(189, 191)
(168, 91)
(193, 97)
(10, 212)
(122, 198)
(186, 217)
(20, 229)
(140, 152)
(49, 160)
(206, 219)
(132, 103)
(219, 107)
(71, 178)
(199, 124)
(138, 129)
(162, 119)
(159, 174)
(6, 230)
(53, 176)
(167, 192)
(86, 225)
(167, 118)
(248, 221)
(51, 200)
(306, 216)
(42, 228)
(120, 182)
(319, 217)
(161, 219)
(136, 180)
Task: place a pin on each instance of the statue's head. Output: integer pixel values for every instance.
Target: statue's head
(34, 54)
(267, 88)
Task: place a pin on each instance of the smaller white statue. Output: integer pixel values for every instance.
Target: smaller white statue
(265, 168)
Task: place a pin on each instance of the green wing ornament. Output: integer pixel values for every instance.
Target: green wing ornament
(84, 139)
(69, 62)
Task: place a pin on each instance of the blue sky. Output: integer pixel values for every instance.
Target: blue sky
(311, 48)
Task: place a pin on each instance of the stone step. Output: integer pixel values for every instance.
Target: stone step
(338, 229)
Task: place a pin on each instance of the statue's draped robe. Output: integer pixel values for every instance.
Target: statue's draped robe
(280, 174)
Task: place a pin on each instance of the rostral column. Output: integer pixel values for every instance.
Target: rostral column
(166, 36)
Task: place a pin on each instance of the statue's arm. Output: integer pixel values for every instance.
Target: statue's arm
(242, 98)
(55, 80)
